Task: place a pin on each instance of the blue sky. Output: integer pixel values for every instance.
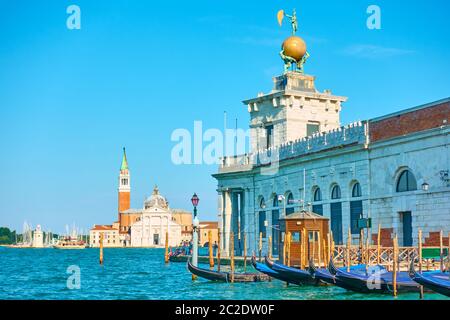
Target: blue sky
(137, 70)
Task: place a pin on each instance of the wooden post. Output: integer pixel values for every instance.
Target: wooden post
(325, 253)
(441, 250)
(367, 252)
(232, 256)
(260, 246)
(269, 247)
(166, 251)
(448, 256)
(218, 249)
(289, 237)
(349, 244)
(420, 250)
(329, 249)
(284, 248)
(394, 265)
(319, 248)
(210, 249)
(101, 247)
(305, 256)
(245, 252)
(379, 244)
(361, 245)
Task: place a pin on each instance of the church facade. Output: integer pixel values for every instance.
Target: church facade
(144, 227)
(392, 170)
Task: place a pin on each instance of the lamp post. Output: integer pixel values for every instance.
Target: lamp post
(195, 224)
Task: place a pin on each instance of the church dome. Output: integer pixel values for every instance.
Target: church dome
(156, 200)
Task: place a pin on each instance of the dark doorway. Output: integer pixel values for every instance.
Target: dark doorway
(156, 239)
(356, 213)
(336, 222)
(275, 231)
(407, 228)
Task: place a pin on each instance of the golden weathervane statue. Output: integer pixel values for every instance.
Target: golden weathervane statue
(293, 50)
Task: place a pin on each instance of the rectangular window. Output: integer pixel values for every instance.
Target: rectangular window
(262, 219)
(296, 237)
(312, 128)
(269, 136)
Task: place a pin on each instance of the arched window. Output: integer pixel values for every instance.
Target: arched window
(290, 199)
(275, 201)
(336, 192)
(317, 195)
(290, 203)
(356, 191)
(262, 203)
(406, 182)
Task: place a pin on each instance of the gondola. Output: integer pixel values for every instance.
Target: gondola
(226, 276)
(324, 275)
(270, 272)
(434, 280)
(297, 276)
(373, 281)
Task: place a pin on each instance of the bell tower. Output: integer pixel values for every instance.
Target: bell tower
(124, 185)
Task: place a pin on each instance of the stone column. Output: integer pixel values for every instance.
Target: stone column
(220, 210)
(227, 221)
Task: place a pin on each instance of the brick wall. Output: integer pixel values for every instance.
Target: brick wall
(433, 240)
(124, 201)
(410, 122)
(386, 237)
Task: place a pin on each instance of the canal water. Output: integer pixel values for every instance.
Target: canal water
(137, 274)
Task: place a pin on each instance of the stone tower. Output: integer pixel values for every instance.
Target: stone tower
(124, 185)
(294, 109)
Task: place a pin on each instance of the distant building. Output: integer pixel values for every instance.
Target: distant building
(110, 233)
(154, 220)
(184, 219)
(144, 227)
(38, 237)
(205, 228)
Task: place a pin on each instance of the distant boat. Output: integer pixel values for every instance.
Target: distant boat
(70, 243)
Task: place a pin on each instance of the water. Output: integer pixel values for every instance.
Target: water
(137, 274)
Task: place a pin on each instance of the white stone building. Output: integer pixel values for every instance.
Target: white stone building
(155, 219)
(38, 237)
(392, 169)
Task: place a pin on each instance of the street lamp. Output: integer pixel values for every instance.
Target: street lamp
(195, 224)
(283, 198)
(425, 186)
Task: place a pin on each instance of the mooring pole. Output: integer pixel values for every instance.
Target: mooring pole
(420, 250)
(441, 249)
(289, 250)
(394, 265)
(218, 249)
(379, 244)
(101, 247)
(349, 244)
(245, 252)
(260, 246)
(269, 247)
(166, 252)
(232, 256)
(210, 248)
